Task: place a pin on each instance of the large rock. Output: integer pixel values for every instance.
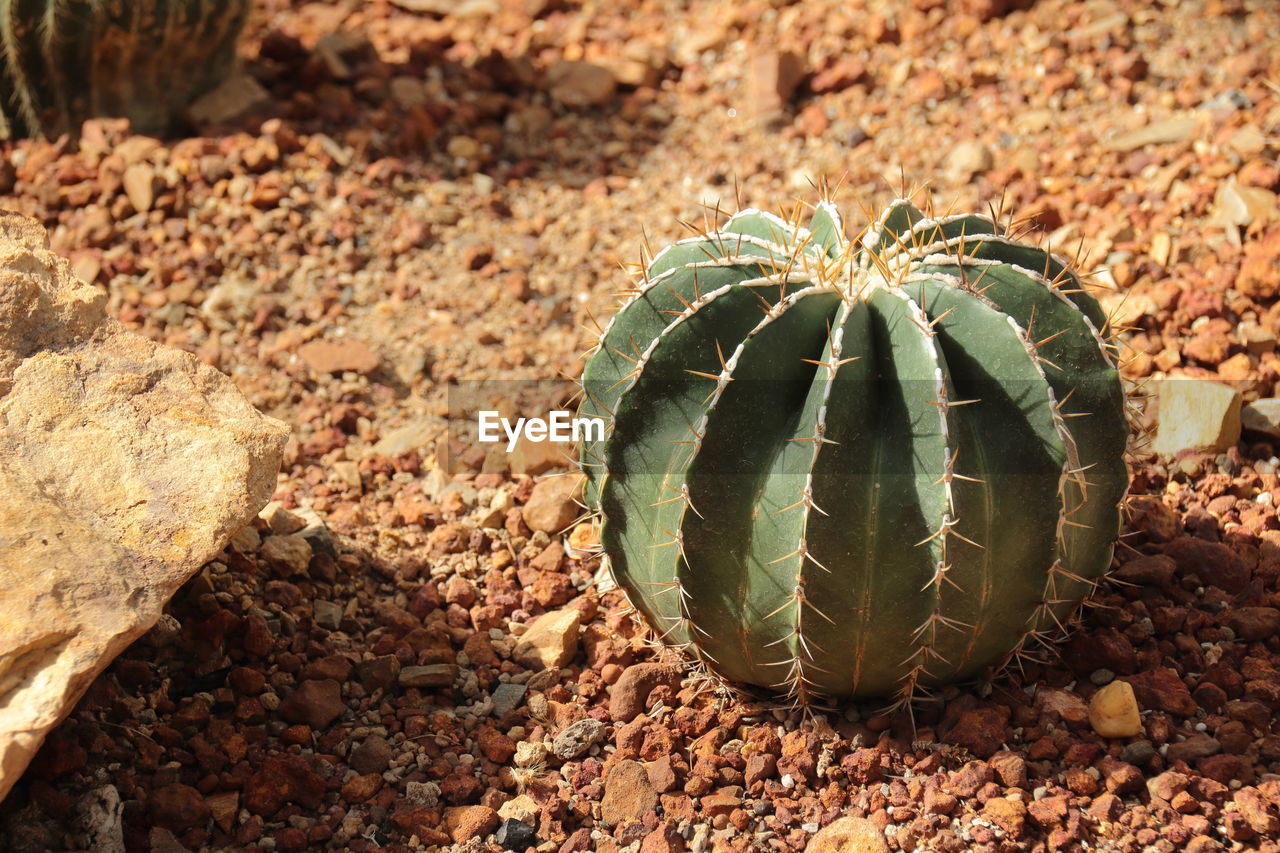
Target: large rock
(1197, 414)
(124, 466)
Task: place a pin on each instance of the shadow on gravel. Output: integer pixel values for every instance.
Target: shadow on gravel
(449, 109)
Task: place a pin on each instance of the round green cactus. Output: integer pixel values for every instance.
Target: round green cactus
(860, 468)
(64, 61)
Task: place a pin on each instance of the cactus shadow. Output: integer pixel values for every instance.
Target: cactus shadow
(403, 88)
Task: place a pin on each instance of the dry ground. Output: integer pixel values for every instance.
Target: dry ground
(440, 199)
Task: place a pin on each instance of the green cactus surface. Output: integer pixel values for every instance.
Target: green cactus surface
(64, 61)
(856, 468)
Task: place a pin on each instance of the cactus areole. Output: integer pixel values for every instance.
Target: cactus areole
(856, 469)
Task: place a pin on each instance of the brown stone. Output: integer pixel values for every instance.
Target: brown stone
(580, 84)
(358, 789)
(495, 745)
(848, 835)
(1214, 563)
(1253, 623)
(839, 75)
(1153, 570)
(234, 97)
(1049, 811)
(1193, 749)
(1167, 784)
(379, 672)
(224, 807)
(341, 356)
(373, 755)
(982, 731)
(967, 781)
(283, 779)
(1162, 690)
(799, 756)
(628, 794)
(716, 804)
(288, 556)
(664, 839)
(937, 801)
(553, 504)
(1011, 768)
(1261, 814)
(627, 697)
(314, 703)
(550, 641)
(466, 822)
(1069, 706)
(1009, 815)
(177, 807)
(1158, 132)
(662, 775)
(1258, 277)
(968, 158)
(139, 186)
(1120, 777)
(771, 80)
(578, 842)
(760, 766)
(1105, 807)
(430, 675)
(1154, 517)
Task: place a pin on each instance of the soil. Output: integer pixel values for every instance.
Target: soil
(441, 193)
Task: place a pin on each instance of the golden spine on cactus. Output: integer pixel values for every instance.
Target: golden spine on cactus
(856, 468)
(63, 61)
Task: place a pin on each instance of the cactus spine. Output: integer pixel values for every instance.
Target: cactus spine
(857, 468)
(64, 61)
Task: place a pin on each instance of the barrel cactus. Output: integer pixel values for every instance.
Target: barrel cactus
(861, 468)
(146, 60)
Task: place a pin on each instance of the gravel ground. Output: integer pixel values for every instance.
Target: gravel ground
(426, 201)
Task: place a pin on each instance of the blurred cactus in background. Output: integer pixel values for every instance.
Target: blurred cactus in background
(146, 60)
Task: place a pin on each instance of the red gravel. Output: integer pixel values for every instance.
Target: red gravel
(427, 200)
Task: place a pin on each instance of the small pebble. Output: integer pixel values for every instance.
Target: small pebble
(1113, 711)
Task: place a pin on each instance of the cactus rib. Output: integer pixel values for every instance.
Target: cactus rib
(648, 445)
(739, 612)
(1007, 500)
(666, 292)
(827, 228)
(1085, 382)
(833, 532)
